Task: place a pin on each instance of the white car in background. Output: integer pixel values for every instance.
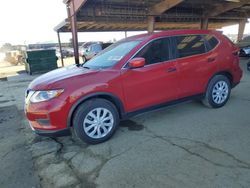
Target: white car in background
(245, 51)
(244, 46)
(89, 49)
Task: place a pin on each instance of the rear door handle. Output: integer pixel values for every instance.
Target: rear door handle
(210, 59)
(171, 69)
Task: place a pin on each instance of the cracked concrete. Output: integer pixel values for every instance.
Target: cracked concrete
(183, 146)
(44, 147)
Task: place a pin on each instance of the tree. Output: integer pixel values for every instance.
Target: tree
(6, 47)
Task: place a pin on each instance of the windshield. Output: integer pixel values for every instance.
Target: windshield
(111, 55)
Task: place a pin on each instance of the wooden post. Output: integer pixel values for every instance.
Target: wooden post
(60, 47)
(241, 29)
(73, 22)
(204, 23)
(151, 24)
(126, 34)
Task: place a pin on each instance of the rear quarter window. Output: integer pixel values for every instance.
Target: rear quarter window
(212, 42)
(189, 45)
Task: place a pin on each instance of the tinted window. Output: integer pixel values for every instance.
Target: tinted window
(189, 45)
(156, 51)
(212, 42)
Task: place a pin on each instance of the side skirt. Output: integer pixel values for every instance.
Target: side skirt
(163, 105)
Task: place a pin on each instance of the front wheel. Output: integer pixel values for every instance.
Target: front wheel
(95, 121)
(218, 92)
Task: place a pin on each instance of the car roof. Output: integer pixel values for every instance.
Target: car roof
(153, 35)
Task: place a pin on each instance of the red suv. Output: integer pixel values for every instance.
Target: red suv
(134, 75)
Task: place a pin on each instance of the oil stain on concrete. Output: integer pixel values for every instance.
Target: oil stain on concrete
(131, 125)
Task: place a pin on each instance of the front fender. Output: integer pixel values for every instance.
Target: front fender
(105, 95)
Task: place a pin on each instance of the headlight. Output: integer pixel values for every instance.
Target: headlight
(40, 96)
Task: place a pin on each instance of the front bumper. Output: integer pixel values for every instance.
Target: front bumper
(55, 133)
(47, 117)
(50, 133)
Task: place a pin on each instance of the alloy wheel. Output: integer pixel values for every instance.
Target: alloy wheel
(220, 92)
(98, 123)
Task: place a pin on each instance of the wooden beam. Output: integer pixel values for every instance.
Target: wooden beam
(241, 29)
(224, 7)
(74, 6)
(142, 26)
(164, 5)
(158, 9)
(91, 26)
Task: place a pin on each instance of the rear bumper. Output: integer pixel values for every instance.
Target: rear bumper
(237, 75)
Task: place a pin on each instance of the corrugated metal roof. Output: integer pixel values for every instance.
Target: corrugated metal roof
(129, 15)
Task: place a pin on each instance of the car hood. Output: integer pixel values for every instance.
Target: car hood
(46, 81)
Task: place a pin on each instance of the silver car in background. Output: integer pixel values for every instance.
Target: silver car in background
(89, 49)
(244, 46)
(245, 51)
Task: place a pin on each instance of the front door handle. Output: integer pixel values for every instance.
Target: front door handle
(171, 69)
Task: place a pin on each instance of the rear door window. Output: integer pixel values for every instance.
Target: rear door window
(189, 45)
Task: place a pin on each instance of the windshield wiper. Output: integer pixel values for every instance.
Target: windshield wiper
(86, 67)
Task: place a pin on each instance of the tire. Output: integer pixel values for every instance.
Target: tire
(218, 92)
(91, 127)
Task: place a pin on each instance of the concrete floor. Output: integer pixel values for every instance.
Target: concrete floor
(188, 145)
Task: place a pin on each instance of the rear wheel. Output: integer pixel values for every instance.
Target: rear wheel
(218, 92)
(95, 121)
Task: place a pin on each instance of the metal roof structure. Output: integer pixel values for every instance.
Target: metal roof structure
(150, 15)
(130, 15)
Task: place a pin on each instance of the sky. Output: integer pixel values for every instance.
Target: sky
(33, 21)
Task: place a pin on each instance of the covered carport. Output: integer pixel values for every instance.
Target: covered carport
(150, 15)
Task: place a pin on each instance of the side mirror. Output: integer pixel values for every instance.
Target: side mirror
(136, 62)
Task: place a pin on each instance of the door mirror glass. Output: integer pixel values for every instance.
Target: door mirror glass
(136, 62)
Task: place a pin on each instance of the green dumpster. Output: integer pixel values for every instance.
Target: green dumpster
(40, 61)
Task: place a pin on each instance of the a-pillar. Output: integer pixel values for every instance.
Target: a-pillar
(151, 24)
(204, 23)
(241, 29)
